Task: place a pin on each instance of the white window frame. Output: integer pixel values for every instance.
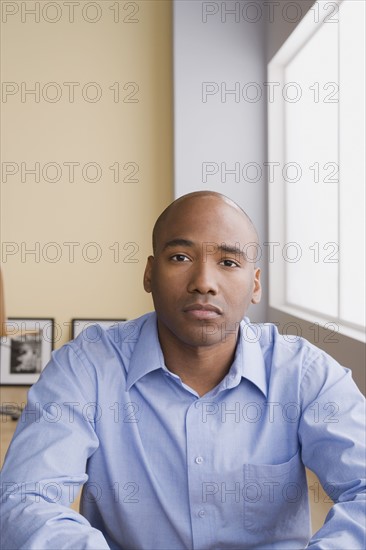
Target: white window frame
(276, 189)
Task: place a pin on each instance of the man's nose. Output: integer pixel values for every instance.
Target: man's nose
(202, 278)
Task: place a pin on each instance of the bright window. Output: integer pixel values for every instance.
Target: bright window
(317, 169)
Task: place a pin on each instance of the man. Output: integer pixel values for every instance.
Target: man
(189, 427)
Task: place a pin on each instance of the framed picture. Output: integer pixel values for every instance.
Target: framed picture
(25, 350)
(91, 332)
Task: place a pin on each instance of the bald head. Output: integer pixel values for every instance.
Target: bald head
(169, 213)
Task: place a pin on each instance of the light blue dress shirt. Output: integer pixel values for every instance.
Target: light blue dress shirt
(163, 468)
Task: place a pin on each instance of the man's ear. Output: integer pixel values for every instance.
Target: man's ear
(148, 273)
(257, 288)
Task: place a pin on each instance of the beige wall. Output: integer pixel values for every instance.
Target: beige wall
(105, 131)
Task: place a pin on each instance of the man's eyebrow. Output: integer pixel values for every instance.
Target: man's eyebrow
(230, 249)
(234, 250)
(223, 248)
(178, 242)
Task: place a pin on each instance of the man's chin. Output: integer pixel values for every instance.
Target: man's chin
(200, 334)
(209, 334)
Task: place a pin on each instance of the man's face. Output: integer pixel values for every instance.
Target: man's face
(201, 282)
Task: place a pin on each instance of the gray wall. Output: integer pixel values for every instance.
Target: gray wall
(282, 20)
(221, 129)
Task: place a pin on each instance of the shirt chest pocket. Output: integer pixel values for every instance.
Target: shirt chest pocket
(275, 497)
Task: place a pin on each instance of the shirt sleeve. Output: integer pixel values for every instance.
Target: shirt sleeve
(332, 435)
(46, 460)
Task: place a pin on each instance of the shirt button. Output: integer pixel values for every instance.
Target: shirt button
(199, 460)
(201, 513)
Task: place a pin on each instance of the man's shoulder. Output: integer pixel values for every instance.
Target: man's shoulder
(98, 348)
(123, 332)
(269, 337)
(287, 351)
(298, 365)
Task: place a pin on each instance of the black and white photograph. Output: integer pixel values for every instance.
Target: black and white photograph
(25, 355)
(25, 350)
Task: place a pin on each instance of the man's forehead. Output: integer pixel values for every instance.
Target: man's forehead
(191, 212)
(204, 216)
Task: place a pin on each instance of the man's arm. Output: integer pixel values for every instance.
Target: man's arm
(46, 461)
(332, 434)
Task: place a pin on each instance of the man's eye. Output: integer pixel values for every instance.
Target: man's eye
(229, 263)
(179, 258)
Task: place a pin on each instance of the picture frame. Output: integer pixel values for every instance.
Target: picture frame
(25, 349)
(78, 325)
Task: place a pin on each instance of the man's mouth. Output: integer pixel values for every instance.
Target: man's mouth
(202, 311)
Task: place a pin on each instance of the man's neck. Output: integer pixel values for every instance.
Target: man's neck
(201, 368)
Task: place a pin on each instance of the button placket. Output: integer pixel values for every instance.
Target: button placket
(198, 473)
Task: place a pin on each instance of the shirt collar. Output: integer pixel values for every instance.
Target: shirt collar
(249, 362)
(147, 355)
